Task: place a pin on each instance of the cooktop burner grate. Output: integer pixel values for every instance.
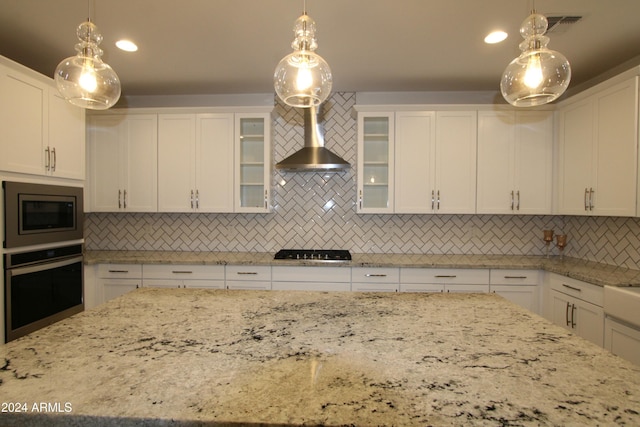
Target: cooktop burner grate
(323, 255)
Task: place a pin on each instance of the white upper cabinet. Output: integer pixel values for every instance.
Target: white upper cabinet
(123, 163)
(515, 162)
(195, 162)
(598, 152)
(42, 134)
(375, 162)
(252, 189)
(435, 161)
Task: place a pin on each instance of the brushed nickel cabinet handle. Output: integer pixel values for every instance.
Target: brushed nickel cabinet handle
(118, 271)
(47, 159)
(55, 159)
(566, 314)
(438, 205)
(124, 199)
(591, 191)
(586, 196)
(515, 277)
(191, 199)
(433, 200)
(573, 316)
(444, 276)
(375, 275)
(360, 199)
(197, 199)
(181, 272)
(518, 204)
(512, 201)
(247, 273)
(571, 287)
(119, 199)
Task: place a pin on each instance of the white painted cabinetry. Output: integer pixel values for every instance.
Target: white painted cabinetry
(598, 151)
(183, 276)
(123, 162)
(375, 279)
(577, 306)
(309, 278)
(435, 161)
(248, 277)
(114, 280)
(195, 162)
(518, 286)
(375, 162)
(42, 134)
(622, 339)
(444, 280)
(515, 162)
(252, 189)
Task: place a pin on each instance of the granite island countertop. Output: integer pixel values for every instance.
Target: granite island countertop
(589, 271)
(218, 357)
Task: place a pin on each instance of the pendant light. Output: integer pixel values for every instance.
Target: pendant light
(303, 78)
(84, 80)
(539, 75)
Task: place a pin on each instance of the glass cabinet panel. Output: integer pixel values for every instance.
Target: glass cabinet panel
(375, 163)
(253, 163)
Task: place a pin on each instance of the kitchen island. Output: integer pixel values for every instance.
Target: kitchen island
(219, 357)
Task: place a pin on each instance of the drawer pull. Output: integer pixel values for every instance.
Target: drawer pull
(572, 288)
(118, 271)
(515, 277)
(445, 276)
(182, 272)
(247, 272)
(375, 275)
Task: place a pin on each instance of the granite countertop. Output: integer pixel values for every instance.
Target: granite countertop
(592, 272)
(217, 357)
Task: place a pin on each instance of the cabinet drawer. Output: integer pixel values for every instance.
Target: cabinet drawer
(514, 277)
(312, 274)
(577, 288)
(183, 272)
(120, 271)
(462, 276)
(248, 273)
(375, 275)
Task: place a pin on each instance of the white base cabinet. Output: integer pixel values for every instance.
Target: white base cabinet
(118, 279)
(518, 286)
(183, 276)
(622, 339)
(444, 280)
(311, 278)
(577, 306)
(375, 279)
(248, 277)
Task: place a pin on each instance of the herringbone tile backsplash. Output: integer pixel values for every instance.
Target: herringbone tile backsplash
(312, 210)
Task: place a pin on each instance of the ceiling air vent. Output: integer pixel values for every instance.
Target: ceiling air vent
(559, 24)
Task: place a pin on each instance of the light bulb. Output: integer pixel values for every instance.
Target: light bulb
(304, 80)
(88, 79)
(533, 75)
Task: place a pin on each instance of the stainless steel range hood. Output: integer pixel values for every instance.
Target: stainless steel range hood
(313, 157)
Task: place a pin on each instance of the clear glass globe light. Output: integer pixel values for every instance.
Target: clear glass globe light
(539, 75)
(84, 80)
(303, 78)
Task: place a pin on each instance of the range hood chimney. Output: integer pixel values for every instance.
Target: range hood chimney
(313, 157)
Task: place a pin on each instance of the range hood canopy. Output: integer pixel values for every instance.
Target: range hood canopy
(313, 157)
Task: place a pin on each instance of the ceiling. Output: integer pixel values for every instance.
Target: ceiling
(232, 46)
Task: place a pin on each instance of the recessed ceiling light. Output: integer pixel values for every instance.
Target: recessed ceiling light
(495, 37)
(127, 45)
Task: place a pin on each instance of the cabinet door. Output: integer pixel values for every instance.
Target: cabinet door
(524, 296)
(496, 150)
(414, 162)
(622, 340)
(22, 119)
(533, 162)
(66, 138)
(214, 162)
(456, 159)
(176, 162)
(253, 163)
(113, 288)
(375, 163)
(104, 146)
(614, 179)
(589, 321)
(140, 158)
(561, 310)
(575, 157)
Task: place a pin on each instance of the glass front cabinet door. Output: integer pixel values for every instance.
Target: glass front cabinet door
(253, 163)
(375, 162)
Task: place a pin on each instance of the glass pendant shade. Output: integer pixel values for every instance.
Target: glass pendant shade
(303, 78)
(84, 80)
(539, 75)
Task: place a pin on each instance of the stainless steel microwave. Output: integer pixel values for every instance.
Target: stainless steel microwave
(40, 213)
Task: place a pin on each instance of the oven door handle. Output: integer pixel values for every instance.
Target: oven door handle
(18, 271)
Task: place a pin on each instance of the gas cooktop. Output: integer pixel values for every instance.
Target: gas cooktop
(322, 255)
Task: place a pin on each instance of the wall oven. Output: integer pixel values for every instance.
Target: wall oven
(42, 287)
(38, 213)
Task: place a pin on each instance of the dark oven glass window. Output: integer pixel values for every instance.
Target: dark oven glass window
(43, 215)
(37, 295)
